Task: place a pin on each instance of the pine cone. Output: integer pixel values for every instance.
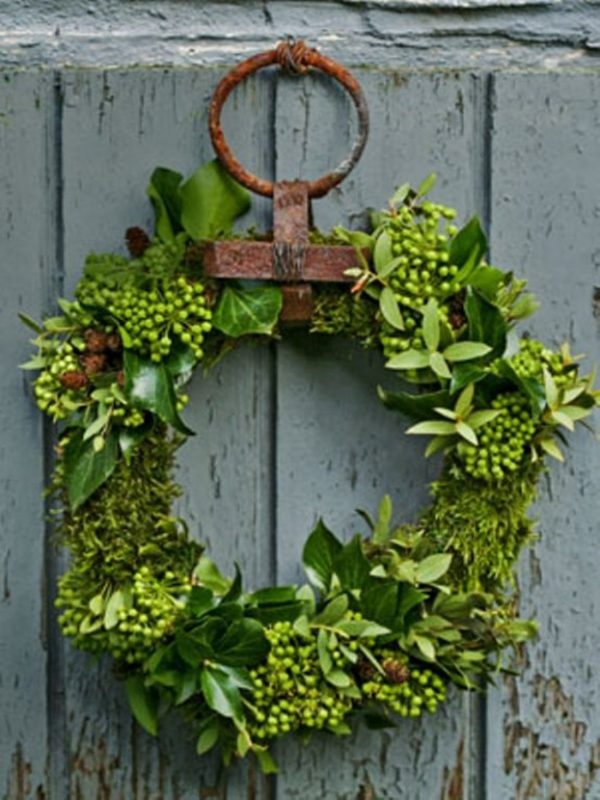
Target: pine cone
(457, 320)
(193, 255)
(121, 378)
(396, 671)
(137, 241)
(95, 341)
(365, 670)
(73, 379)
(93, 363)
(114, 343)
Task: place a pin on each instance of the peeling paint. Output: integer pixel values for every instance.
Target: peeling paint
(454, 781)
(538, 765)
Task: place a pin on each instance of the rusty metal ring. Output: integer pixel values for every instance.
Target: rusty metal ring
(298, 58)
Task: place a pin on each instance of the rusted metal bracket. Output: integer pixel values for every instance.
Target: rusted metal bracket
(290, 258)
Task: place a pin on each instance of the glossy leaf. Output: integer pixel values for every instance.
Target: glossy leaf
(241, 312)
(211, 201)
(351, 565)
(318, 555)
(470, 237)
(149, 386)
(86, 469)
(221, 694)
(414, 406)
(143, 702)
(164, 192)
(486, 323)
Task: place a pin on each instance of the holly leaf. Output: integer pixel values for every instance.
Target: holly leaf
(143, 702)
(211, 200)
(241, 312)
(87, 469)
(318, 555)
(149, 385)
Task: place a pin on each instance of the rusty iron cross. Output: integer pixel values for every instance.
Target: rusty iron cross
(289, 258)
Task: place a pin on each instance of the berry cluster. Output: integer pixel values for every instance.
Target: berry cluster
(148, 615)
(503, 441)
(54, 397)
(424, 269)
(153, 306)
(405, 691)
(533, 357)
(289, 689)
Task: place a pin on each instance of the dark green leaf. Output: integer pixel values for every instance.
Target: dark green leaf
(143, 702)
(85, 469)
(414, 406)
(199, 601)
(221, 694)
(351, 566)
(181, 359)
(211, 201)
(486, 323)
(333, 611)
(487, 280)
(234, 592)
(129, 438)
(275, 595)
(463, 374)
(380, 603)
(243, 645)
(241, 312)
(318, 555)
(207, 572)
(194, 649)
(150, 386)
(531, 388)
(163, 190)
(283, 612)
(471, 237)
(208, 737)
(31, 323)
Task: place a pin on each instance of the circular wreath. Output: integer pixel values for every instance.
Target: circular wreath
(385, 623)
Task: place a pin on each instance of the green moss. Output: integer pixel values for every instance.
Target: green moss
(337, 312)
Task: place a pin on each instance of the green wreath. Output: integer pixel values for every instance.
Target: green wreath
(385, 623)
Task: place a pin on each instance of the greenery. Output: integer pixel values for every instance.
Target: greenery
(385, 622)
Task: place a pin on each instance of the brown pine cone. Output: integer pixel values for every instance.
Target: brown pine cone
(95, 341)
(137, 241)
(114, 343)
(365, 670)
(396, 671)
(93, 363)
(457, 320)
(73, 379)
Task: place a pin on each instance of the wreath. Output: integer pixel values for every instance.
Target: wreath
(385, 623)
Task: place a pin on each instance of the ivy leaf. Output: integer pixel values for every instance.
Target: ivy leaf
(85, 469)
(143, 702)
(163, 191)
(380, 603)
(318, 555)
(221, 694)
(351, 565)
(469, 238)
(149, 385)
(241, 312)
(211, 200)
(243, 645)
(390, 309)
(465, 351)
(129, 438)
(181, 359)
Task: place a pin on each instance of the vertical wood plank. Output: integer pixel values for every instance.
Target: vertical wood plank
(337, 448)
(28, 247)
(544, 727)
(117, 127)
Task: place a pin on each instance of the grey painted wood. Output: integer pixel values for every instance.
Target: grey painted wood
(544, 727)
(117, 126)
(337, 448)
(28, 244)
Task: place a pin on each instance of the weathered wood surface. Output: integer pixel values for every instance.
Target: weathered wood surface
(544, 727)
(295, 431)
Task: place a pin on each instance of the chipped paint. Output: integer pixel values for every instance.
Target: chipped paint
(454, 780)
(530, 754)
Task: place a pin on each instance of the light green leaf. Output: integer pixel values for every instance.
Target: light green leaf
(339, 678)
(446, 412)
(208, 738)
(433, 567)
(381, 529)
(411, 359)
(382, 254)
(551, 389)
(427, 184)
(438, 364)
(431, 326)
(563, 419)
(96, 604)
(333, 611)
(465, 399)
(400, 195)
(436, 444)
(390, 309)
(426, 647)
(549, 446)
(116, 602)
(325, 660)
(241, 312)
(265, 761)
(208, 574)
(211, 200)
(31, 323)
(302, 627)
(433, 426)
(465, 351)
(95, 427)
(466, 432)
(479, 418)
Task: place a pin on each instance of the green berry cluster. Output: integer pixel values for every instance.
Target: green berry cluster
(290, 692)
(503, 441)
(406, 691)
(424, 270)
(153, 306)
(533, 357)
(51, 396)
(149, 610)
